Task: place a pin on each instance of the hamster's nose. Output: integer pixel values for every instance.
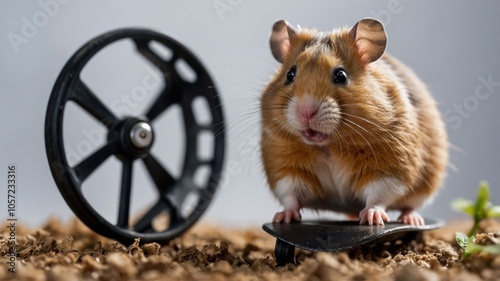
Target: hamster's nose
(307, 112)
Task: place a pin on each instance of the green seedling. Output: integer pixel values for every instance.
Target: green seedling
(469, 246)
(479, 210)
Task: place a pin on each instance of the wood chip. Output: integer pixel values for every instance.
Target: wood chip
(71, 251)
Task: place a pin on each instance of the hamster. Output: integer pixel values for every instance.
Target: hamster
(348, 128)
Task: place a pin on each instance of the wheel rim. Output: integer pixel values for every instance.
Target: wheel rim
(131, 138)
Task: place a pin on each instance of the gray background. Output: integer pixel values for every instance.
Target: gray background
(452, 45)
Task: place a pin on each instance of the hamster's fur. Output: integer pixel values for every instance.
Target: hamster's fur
(373, 143)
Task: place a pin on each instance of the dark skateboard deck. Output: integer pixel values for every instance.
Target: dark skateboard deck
(336, 236)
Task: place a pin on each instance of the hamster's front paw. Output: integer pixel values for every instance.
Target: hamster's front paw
(373, 215)
(287, 216)
(411, 217)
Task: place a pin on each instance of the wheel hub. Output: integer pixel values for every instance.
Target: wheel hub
(135, 135)
(141, 135)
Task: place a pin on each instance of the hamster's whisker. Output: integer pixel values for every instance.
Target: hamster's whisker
(274, 130)
(367, 131)
(250, 137)
(230, 127)
(232, 130)
(243, 127)
(352, 140)
(256, 102)
(249, 112)
(281, 130)
(341, 139)
(287, 98)
(283, 107)
(243, 91)
(378, 126)
(248, 123)
(241, 139)
(378, 134)
(362, 136)
(279, 92)
(350, 104)
(253, 153)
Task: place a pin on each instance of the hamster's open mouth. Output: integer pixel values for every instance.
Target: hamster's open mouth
(313, 136)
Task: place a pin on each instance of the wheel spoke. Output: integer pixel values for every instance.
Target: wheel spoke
(163, 180)
(175, 211)
(150, 55)
(84, 97)
(187, 112)
(205, 162)
(87, 166)
(126, 187)
(144, 224)
(169, 95)
(166, 98)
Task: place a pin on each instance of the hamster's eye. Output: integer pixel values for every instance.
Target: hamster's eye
(339, 76)
(290, 76)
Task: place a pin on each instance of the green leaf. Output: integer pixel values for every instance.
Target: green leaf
(471, 248)
(463, 205)
(488, 205)
(483, 197)
(462, 239)
(491, 249)
(494, 212)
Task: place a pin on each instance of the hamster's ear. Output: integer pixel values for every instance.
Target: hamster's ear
(370, 39)
(282, 33)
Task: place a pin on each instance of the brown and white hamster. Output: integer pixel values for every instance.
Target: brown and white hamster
(348, 128)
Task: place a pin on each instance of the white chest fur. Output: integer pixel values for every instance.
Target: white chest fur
(337, 192)
(334, 181)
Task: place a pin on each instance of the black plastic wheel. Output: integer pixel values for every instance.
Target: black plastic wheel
(284, 253)
(130, 139)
